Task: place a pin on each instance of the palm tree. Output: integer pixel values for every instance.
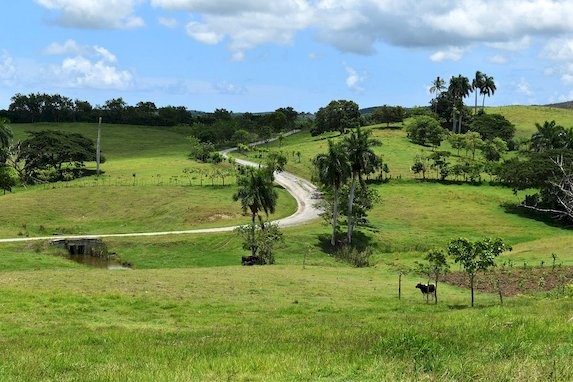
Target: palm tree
(437, 86)
(362, 160)
(256, 193)
(333, 170)
(477, 85)
(459, 89)
(488, 88)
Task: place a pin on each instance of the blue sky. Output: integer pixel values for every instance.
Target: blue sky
(254, 55)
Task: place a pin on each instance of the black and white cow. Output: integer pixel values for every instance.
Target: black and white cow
(426, 288)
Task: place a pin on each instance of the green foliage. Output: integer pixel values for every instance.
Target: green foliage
(277, 161)
(358, 258)
(388, 114)
(476, 256)
(551, 136)
(490, 126)
(50, 150)
(425, 130)
(262, 243)
(340, 115)
(8, 179)
(202, 151)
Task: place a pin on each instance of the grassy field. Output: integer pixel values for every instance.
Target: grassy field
(188, 311)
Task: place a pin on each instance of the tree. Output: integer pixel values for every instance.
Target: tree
(473, 142)
(5, 139)
(362, 160)
(493, 149)
(435, 267)
(477, 85)
(476, 256)
(487, 88)
(459, 88)
(425, 130)
(551, 136)
(341, 115)
(277, 161)
(256, 194)
(332, 171)
(200, 151)
(438, 85)
(388, 114)
(51, 149)
(490, 126)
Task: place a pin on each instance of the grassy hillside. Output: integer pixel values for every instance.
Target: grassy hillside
(188, 311)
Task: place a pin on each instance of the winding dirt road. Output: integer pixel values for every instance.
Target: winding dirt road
(303, 191)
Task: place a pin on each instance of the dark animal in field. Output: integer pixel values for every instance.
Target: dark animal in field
(426, 288)
(250, 260)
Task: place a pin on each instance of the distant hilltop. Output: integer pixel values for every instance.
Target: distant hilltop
(562, 105)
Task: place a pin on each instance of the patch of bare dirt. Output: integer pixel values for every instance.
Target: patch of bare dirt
(514, 281)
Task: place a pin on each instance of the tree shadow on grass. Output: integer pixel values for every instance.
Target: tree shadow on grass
(360, 242)
(545, 218)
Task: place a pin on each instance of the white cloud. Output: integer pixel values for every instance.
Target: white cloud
(522, 87)
(453, 53)
(82, 72)
(89, 66)
(7, 67)
(513, 45)
(498, 59)
(203, 33)
(168, 22)
(354, 80)
(115, 14)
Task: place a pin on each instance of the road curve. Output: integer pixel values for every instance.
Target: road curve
(304, 192)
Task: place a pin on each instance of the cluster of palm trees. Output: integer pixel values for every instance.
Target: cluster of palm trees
(459, 88)
(346, 161)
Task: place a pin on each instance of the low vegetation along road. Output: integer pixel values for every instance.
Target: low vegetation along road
(303, 191)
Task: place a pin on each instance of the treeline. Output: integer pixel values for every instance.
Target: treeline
(42, 107)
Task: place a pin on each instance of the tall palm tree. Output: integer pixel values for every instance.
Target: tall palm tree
(333, 170)
(459, 89)
(477, 85)
(488, 88)
(437, 86)
(362, 159)
(256, 193)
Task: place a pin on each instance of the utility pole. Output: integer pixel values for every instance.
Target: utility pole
(98, 155)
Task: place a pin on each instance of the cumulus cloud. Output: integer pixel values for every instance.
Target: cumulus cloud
(357, 26)
(560, 52)
(453, 53)
(90, 66)
(354, 80)
(115, 14)
(7, 67)
(522, 87)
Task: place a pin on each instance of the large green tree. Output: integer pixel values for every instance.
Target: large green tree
(332, 171)
(339, 115)
(487, 88)
(52, 149)
(256, 194)
(363, 160)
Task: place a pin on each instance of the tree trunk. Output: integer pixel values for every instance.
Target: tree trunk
(460, 123)
(472, 288)
(253, 228)
(436, 292)
(350, 203)
(476, 104)
(334, 217)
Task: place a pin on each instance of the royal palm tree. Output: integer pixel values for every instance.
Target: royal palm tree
(256, 193)
(488, 88)
(459, 89)
(333, 170)
(477, 85)
(362, 159)
(437, 86)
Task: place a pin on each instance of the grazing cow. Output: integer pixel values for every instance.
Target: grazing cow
(426, 288)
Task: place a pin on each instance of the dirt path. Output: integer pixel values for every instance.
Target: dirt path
(303, 191)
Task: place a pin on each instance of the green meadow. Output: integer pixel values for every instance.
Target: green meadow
(188, 311)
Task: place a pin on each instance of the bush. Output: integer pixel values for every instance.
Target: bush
(353, 256)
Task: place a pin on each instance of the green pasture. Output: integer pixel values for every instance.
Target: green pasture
(187, 310)
(525, 117)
